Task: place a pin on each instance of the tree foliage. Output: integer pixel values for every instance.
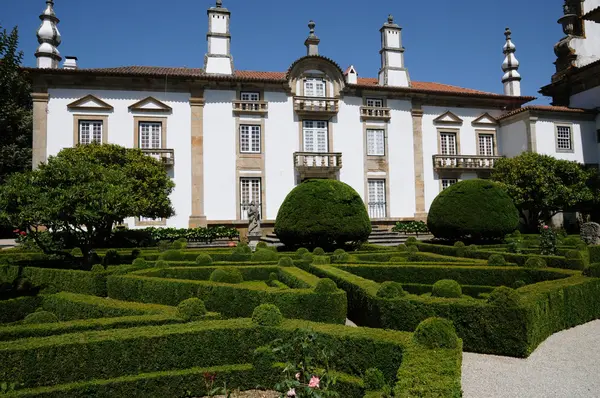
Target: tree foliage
(81, 193)
(542, 186)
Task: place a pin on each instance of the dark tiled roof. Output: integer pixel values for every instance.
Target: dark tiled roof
(543, 108)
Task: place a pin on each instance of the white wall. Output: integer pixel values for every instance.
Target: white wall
(218, 45)
(401, 160)
(584, 140)
(121, 132)
(348, 138)
(512, 139)
(588, 48)
(589, 99)
(218, 23)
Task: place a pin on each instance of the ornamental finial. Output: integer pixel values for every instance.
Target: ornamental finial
(390, 19)
(311, 26)
(507, 33)
(219, 3)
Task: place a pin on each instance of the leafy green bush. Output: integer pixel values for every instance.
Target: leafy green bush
(264, 255)
(446, 288)
(161, 264)
(436, 333)
(402, 247)
(172, 255)
(204, 259)
(308, 257)
(519, 284)
(593, 270)
(243, 247)
(267, 315)
(179, 244)
(504, 297)
(496, 260)
(227, 275)
(574, 255)
(286, 262)
(321, 260)
(262, 245)
(163, 246)
(318, 252)
(373, 379)
(40, 317)
(476, 209)
(98, 268)
(411, 240)
(325, 286)
(263, 358)
(535, 262)
(76, 252)
(191, 309)
(548, 240)
(460, 248)
(140, 262)
(322, 213)
(112, 257)
(390, 290)
(302, 251)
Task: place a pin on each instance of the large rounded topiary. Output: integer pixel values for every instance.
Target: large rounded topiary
(390, 290)
(267, 315)
(504, 297)
(227, 275)
(436, 333)
(322, 213)
(325, 286)
(40, 317)
(477, 209)
(447, 288)
(191, 309)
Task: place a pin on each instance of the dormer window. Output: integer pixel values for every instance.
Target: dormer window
(250, 96)
(375, 102)
(314, 88)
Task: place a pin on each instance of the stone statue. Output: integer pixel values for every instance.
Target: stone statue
(590, 233)
(254, 220)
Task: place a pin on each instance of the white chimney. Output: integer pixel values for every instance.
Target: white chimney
(70, 63)
(351, 75)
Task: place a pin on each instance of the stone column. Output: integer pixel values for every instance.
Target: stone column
(40, 128)
(197, 219)
(417, 118)
(532, 134)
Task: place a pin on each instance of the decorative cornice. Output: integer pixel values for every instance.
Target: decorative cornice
(102, 106)
(454, 120)
(161, 107)
(485, 120)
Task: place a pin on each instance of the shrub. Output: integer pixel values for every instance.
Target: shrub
(321, 260)
(470, 250)
(436, 333)
(572, 241)
(412, 253)
(446, 288)
(140, 262)
(172, 255)
(98, 268)
(373, 379)
(390, 290)
(262, 245)
(76, 252)
(191, 309)
(179, 244)
(574, 255)
(402, 247)
(286, 262)
(243, 248)
(164, 245)
(273, 277)
(227, 275)
(318, 251)
(112, 257)
(161, 264)
(40, 317)
(135, 253)
(459, 244)
(496, 260)
(322, 213)
(302, 251)
(397, 259)
(325, 286)
(593, 270)
(204, 259)
(264, 255)
(519, 284)
(411, 241)
(263, 359)
(548, 240)
(504, 297)
(460, 248)
(535, 262)
(267, 315)
(477, 209)
(307, 257)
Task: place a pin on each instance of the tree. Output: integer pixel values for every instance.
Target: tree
(80, 194)
(542, 186)
(15, 107)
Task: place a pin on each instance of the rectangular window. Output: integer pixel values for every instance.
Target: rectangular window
(314, 88)
(486, 145)
(375, 102)
(249, 192)
(90, 131)
(148, 219)
(377, 202)
(375, 142)
(150, 135)
(249, 138)
(249, 96)
(447, 182)
(448, 143)
(563, 138)
(315, 136)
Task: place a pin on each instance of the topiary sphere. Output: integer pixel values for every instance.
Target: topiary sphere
(373, 379)
(496, 260)
(161, 264)
(172, 255)
(436, 333)
(411, 240)
(262, 245)
(76, 252)
(318, 251)
(459, 244)
(191, 309)
(302, 251)
(325, 286)
(477, 209)
(267, 315)
(98, 268)
(518, 284)
(286, 262)
(321, 260)
(40, 317)
(307, 257)
(322, 213)
(112, 257)
(593, 270)
(226, 275)
(264, 255)
(273, 277)
(243, 248)
(504, 297)
(574, 255)
(535, 262)
(446, 288)
(204, 259)
(390, 290)
(402, 247)
(140, 262)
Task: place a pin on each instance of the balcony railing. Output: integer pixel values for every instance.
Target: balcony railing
(375, 113)
(377, 210)
(316, 164)
(464, 162)
(307, 106)
(167, 156)
(256, 107)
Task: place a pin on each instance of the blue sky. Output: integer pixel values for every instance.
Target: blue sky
(454, 42)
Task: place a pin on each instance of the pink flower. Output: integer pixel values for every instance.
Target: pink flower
(298, 376)
(314, 382)
(545, 227)
(291, 392)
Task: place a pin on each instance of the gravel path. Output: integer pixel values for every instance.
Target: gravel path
(566, 365)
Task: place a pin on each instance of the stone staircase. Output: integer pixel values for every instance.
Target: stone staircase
(218, 243)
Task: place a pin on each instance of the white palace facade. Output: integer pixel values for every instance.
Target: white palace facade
(229, 137)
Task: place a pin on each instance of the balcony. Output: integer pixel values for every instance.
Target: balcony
(317, 165)
(316, 106)
(464, 162)
(251, 107)
(167, 156)
(375, 113)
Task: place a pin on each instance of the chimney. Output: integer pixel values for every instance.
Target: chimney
(392, 72)
(351, 75)
(70, 63)
(312, 42)
(218, 59)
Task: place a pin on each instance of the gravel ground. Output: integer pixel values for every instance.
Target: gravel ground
(565, 365)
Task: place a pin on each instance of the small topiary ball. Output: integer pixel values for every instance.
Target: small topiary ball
(191, 309)
(301, 251)
(436, 333)
(264, 255)
(97, 268)
(307, 257)
(460, 248)
(469, 250)
(446, 288)
(574, 255)
(179, 244)
(286, 262)
(164, 245)
(172, 255)
(373, 379)
(338, 252)
(273, 277)
(496, 260)
(76, 252)
(267, 315)
(390, 290)
(227, 275)
(243, 248)
(402, 247)
(40, 317)
(262, 245)
(318, 251)
(535, 262)
(518, 284)
(140, 262)
(321, 260)
(204, 259)
(411, 240)
(593, 270)
(412, 249)
(161, 264)
(263, 358)
(504, 297)
(112, 257)
(459, 244)
(325, 286)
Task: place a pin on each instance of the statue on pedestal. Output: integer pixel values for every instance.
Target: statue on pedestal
(254, 231)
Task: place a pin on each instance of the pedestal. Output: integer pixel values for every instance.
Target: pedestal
(253, 241)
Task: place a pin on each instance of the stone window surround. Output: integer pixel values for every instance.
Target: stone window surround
(385, 141)
(570, 126)
(448, 175)
(329, 132)
(77, 118)
(375, 97)
(440, 131)
(306, 76)
(251, 165)
(260, 174)
(156, 223)
(492, 132)
(378, 176)
(136, 129)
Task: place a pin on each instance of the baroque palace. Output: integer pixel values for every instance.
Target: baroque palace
(229, 137)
